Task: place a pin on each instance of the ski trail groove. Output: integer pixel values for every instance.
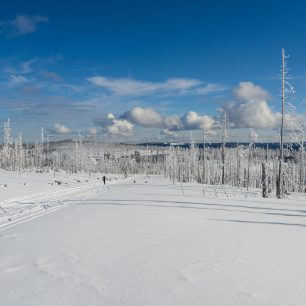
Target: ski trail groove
(85, 194)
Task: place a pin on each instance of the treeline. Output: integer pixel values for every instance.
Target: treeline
(246, 166)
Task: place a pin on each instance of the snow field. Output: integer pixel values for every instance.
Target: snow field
(154, 243)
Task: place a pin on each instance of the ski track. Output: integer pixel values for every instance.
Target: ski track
(19, 210)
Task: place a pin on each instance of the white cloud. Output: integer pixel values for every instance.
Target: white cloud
(22, 25)
(127, 86)
(179, 84)
(60, 129)
(26, 67)
(252, 109)
(32, 66)
(192, 121)
(255, 114)
(147, 117)
(210, 88)
(120, 127)
(23, 68)
(168, 134)
(248, 91)
(132, 87)
(172, 122)
(124, 86)
(17, 80)
(115, 126)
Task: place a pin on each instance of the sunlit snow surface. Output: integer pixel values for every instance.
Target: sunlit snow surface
(147, 243)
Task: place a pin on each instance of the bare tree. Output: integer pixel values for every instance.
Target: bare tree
(264, 177)
(279, 181)
(225, 124)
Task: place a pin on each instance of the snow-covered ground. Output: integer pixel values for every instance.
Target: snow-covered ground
(147, 243)
(26, 195)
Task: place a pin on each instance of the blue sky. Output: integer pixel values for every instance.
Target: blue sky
(148, 70)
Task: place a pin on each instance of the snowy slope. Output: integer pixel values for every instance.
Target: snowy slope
(155, 243)
(27, 194)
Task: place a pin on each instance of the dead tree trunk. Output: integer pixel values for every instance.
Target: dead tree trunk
(224, 136)
(279, 181)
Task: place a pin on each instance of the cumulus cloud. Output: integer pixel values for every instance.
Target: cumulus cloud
(146, 117)
(255, 114)
(129, 86)
(149, 118)
(22, 24)
(60, 129)
(248, 91)
(168, 134)
(173, 123)
(115, 126)
(193, 121)
(252, 108)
